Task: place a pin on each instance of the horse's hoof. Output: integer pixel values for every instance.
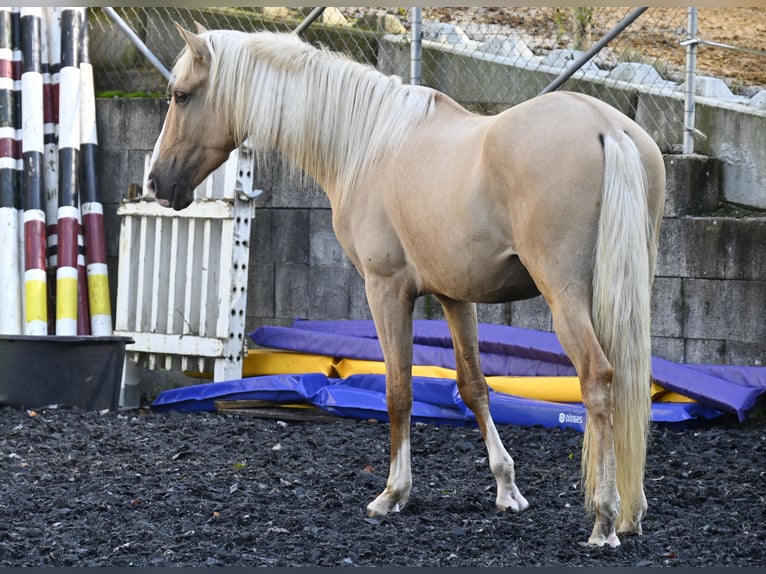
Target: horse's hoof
(599, 540)
(513, 501)
(629, 527)
(381, 507)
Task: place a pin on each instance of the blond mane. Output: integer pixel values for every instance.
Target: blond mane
(332, 116)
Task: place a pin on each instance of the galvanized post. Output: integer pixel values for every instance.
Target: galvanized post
(416, 48)
(691, 67)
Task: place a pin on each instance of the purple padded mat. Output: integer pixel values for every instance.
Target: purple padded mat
(513, 351)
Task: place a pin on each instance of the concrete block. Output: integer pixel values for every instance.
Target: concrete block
(729, 311)
(692, 185)
(562, 58)
(746, 354)
(737, 140)
(289, 192)
(669, 348)
(531, 314)
(290, 235)
(496, 314)
(705, 351)
(709, 87)
(328, 292)
(667, 307)
(446, 34)
(143, 122)
(112, 224)
(324, 248)
(110, 123)
(381, 22)
(691, 247)
(291, 289)
(134, 169)
(662, 116)
(261, 290)
(112, 174)
(744, 249)
(635, 72)
(261, 250)
(758, 100)
(509, 48)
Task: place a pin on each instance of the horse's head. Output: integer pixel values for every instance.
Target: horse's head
(194, 141)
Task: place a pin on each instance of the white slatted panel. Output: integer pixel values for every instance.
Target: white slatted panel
(182, 276)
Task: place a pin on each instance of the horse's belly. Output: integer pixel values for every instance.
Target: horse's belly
(485, 280)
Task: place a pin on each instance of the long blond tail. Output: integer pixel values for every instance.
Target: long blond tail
(624, 261)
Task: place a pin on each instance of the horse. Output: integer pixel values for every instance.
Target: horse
(559, 196)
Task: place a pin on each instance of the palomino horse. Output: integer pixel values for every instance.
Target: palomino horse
(561, 196)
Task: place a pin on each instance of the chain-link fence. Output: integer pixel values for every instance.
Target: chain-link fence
(486, 58)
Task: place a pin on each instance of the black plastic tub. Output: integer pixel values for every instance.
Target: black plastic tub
(83, 372)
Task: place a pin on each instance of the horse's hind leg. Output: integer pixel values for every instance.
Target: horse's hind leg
(575, 331)
(461, 318)
(393, 321)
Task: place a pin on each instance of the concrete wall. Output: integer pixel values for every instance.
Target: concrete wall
(709, 300)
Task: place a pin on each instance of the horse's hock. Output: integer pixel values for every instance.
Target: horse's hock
(711, 267)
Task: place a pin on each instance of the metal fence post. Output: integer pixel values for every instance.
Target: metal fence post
(691, 65)
(416, 49)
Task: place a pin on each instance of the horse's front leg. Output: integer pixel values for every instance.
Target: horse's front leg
(393, 320)
(462, 321)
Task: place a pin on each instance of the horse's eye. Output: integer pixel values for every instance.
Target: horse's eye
(180, 97)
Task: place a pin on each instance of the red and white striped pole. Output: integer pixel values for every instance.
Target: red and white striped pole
(35, 283)
(51, 59)
(10, 201)
(69, 145)
(91, 206)
(16, 67)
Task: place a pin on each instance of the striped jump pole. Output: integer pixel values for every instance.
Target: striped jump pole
(83, 303)
(51, 59)
(50, 109)
(91, 206)
(69, 145)
(36, 311)
(10, 201)
(16, 67)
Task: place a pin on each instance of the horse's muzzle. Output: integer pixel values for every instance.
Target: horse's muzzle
(167, 196)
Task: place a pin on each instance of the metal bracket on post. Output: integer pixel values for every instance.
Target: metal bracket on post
(243, 185)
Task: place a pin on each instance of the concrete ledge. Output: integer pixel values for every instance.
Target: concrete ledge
(692, 184)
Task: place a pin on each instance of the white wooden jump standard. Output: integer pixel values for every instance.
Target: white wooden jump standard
(182, 276)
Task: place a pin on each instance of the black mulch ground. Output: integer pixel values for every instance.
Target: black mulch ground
(146, 489)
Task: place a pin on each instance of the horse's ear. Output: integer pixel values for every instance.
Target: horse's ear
(200, 27)
(196, 44)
